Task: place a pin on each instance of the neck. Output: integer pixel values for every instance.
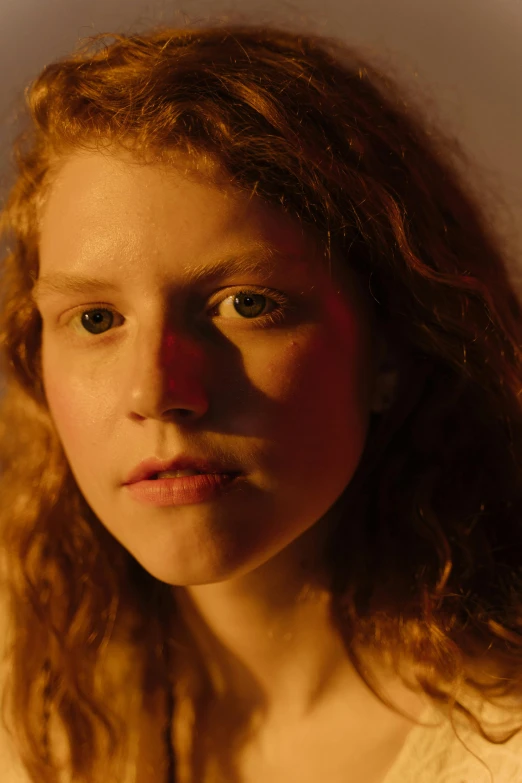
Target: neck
(269, 632)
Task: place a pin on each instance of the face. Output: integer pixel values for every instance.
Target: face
(217, 331)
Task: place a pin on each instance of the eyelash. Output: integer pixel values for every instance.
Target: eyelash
(271, 318)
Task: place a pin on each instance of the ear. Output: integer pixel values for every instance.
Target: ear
(386, 377)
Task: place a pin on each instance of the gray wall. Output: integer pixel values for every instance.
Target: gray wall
(462, 57)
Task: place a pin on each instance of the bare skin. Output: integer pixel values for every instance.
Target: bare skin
(182, 369)
(344, 731)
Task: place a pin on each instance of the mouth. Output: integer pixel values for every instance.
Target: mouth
(166, 489)
(181, 467)
(174, 474)
(177, 474)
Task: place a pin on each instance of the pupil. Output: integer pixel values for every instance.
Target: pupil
(93, 319)
(253, 303)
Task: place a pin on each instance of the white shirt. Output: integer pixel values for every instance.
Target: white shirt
(435, 755)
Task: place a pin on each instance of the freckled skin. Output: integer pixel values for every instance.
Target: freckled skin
(287, 404)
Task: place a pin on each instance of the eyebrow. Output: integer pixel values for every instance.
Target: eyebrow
(261, 259)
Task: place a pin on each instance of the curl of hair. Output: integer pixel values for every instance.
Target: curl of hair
(429, 568)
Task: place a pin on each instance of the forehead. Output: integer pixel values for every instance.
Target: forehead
(111, 210)
(99, 201)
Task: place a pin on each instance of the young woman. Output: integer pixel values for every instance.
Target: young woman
(260, 428)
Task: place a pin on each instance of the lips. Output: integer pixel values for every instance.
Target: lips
(183, 491)
(175, 474)
(149, 468)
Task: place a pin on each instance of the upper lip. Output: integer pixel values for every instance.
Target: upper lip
(150, 467)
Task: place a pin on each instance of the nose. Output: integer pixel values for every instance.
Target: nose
(167, 378)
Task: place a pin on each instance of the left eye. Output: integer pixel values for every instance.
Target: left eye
(248, 304)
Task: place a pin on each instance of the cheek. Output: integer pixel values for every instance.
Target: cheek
(318, 386)
(313, 371)
(316, 423)
(77, 407)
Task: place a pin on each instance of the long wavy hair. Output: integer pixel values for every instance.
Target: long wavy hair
(429, 570)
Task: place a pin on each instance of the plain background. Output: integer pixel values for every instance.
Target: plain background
(461, 58)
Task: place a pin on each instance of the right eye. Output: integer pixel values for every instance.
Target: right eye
(97, 320)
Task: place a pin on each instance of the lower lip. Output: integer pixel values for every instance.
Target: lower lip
(181, 491)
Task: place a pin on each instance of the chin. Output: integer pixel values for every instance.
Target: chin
(187, 576)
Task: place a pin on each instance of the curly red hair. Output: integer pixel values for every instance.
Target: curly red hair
(431, 572)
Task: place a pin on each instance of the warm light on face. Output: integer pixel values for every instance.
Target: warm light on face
(179, 317)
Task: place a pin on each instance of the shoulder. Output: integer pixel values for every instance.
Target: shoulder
(11, 765)
(117, 687)
(434, 752)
